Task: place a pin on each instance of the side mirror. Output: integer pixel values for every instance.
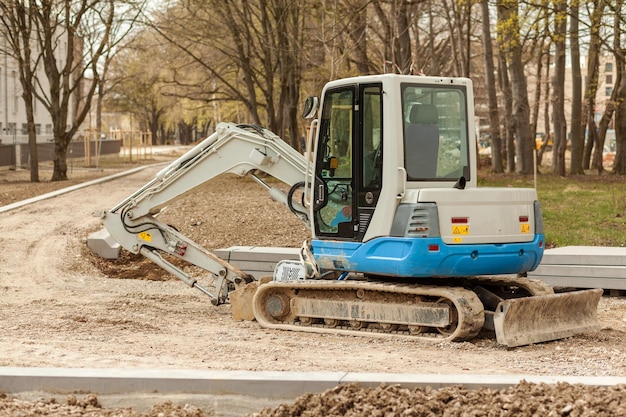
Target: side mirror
(311, 104)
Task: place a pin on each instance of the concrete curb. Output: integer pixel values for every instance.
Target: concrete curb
(52, 194)
(265, 384)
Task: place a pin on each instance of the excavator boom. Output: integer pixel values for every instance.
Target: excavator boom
(236, 149)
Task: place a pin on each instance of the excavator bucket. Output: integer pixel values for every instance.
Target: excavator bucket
(241, 299)
(535, 319)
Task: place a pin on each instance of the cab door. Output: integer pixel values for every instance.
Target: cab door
(349, 161)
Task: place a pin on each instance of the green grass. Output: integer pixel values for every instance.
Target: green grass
(585, 210)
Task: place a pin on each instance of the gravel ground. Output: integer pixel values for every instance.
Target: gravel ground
(59, 309)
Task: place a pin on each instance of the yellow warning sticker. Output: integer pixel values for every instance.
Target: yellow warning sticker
(524, 228)
(145, 236)
(460, 230)
(457, 240)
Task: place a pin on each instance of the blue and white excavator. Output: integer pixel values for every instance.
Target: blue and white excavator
(403, 241)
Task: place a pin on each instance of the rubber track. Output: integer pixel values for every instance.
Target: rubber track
(468, 306)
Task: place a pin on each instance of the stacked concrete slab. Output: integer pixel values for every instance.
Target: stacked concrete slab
(570, 266)
(583, 267)
(258, 261)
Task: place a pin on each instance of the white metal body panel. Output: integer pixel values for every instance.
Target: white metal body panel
(493, 214)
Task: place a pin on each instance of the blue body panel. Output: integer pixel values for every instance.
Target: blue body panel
(410, 257)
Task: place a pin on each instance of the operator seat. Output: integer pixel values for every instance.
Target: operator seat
(421, 141)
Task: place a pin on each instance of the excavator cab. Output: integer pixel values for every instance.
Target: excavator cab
(394, 189)
(374, 137)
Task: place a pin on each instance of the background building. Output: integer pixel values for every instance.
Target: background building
(13, 127)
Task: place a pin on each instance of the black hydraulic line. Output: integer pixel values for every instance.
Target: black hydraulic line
(290, 194)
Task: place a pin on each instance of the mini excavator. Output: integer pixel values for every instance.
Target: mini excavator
(404, 243)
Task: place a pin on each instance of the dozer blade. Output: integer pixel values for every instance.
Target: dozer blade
(535, 319)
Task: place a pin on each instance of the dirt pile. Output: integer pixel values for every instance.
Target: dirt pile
(524, 399)
(87, 407)
(352, 400)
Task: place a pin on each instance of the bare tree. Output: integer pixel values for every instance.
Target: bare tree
(536, 105)
(619, 167)
(139, 89)
(603, 125)
(16, 28)
(394, 19)
(617, 93)
(542, 59)
(458, 18)
(72, 37)
(289, 41)
(558, 88)
(490, 77)
(593, 64)
(391, 25)
(120, 30)
(546, 109)
(509, 125)
(511, 45)
(248, 52)
(577, 138)
(358, 36)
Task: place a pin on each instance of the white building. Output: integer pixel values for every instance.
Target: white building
(13, 125)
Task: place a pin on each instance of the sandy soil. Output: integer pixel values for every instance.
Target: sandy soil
(58, 309)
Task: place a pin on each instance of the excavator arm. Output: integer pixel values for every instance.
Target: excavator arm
(236, 149)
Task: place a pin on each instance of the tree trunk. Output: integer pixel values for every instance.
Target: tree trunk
(558, 101)
(592, 140)
(534, 116)
(576, 123)
(455, 22)
(17, 31)
(511, 44)
(434, 57)
(537, 99)
(153, 125)
(546, 110)
(403, 49)
(99, 100)
(358, 31)
(593, 64)
(602, 128)
(59, 172)
(185, 132)
(619, 166)
(508, 110)
(521, 114)
(490, 80)
(32, 139)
